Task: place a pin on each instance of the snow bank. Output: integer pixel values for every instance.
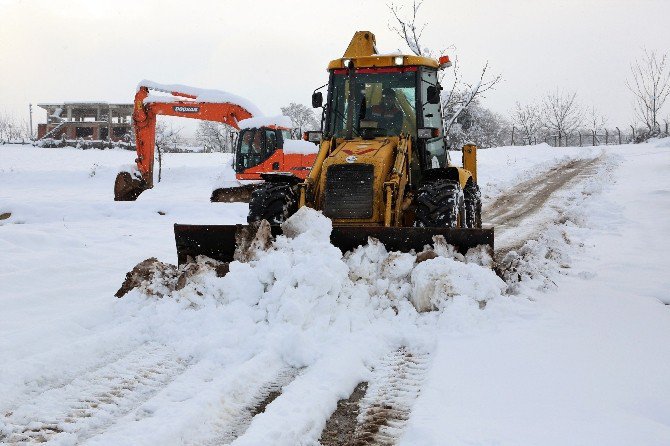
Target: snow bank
(299, 147)
(303, 300)
(582, 361)
(201, 94)
(266, 121)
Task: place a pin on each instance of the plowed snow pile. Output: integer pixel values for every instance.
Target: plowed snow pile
(303, 286)
(303, 303)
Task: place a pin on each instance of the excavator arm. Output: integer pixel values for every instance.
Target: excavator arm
(186, 105)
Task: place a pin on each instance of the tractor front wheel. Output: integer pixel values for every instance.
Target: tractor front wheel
(439, 204)
(274, 202)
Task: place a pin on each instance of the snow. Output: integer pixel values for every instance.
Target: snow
(299, 147)
(201, 95)
(572, 354)
(265, 121)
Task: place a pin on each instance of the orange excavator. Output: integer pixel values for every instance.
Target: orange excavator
(264, 145)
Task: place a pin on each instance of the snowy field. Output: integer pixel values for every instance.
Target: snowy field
(572, 348)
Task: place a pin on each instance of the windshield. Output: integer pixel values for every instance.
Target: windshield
(255, 146)
(380, 102)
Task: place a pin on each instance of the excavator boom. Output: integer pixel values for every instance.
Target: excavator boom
(182, 104)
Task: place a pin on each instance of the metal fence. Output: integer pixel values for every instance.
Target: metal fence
(581, 138)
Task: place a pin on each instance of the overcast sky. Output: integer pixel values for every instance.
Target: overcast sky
(275, 52)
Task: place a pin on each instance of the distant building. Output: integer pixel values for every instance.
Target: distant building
(86, 120)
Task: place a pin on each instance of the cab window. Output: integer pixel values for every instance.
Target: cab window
(384, 101)
(435, 148)
(270, 142)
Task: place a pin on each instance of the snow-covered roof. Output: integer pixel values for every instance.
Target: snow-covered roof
(266, 121)
(299, 147)
(200, 94)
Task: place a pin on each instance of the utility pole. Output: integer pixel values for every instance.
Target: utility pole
(30, 108)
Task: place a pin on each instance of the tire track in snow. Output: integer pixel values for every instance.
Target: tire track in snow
(92, 402)
(382, 413)
(48, 380)
(240, 408)
(526, 199)
(341, 425)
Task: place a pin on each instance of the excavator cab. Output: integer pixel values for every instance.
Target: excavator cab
(263, 150)
(256, 145)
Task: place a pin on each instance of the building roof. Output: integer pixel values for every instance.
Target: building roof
(85, 104)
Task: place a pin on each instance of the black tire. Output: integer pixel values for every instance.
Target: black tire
(274, 202)
(439, 204)
(473, 205)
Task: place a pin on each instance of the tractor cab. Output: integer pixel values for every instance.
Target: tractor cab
(374, 102)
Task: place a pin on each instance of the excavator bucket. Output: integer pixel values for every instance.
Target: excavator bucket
(219, 241)
(240, 194)
(127, 187)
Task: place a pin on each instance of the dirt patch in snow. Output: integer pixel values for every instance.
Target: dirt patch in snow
(340, 427)
(156, 278)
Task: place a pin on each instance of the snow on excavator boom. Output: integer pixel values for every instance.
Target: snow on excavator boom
(185, 102)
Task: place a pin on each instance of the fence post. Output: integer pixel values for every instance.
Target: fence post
(593, 132)
(580, 138)
(606, 137)
(619, 131)
(512, 135)
(633, 129)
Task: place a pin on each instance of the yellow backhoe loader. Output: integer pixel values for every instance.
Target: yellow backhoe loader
(382, 169)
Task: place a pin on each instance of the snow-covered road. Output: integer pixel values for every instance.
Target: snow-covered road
(575, 352)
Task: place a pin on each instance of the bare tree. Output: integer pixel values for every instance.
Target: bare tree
(166, 138)
(215, 136)
(480, 126)
(529, 120)
(650, 84)
(596, 121)
(407, 29)
(462, 94)
(12, 129)
(562, 114)
(302, 117)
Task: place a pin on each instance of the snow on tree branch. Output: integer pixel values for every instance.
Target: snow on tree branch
(407, 29)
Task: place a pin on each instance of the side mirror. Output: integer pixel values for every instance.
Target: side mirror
(317, 99)
(314, 136)
(433, 93)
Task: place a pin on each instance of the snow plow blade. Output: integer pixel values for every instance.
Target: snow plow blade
(218, 241)
(238, 194)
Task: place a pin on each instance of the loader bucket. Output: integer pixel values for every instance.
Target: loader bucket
(241, 194)
(218, 241)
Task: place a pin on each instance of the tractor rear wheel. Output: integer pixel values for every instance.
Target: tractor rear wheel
(473, 206)
(274, 202)
(439, 204)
